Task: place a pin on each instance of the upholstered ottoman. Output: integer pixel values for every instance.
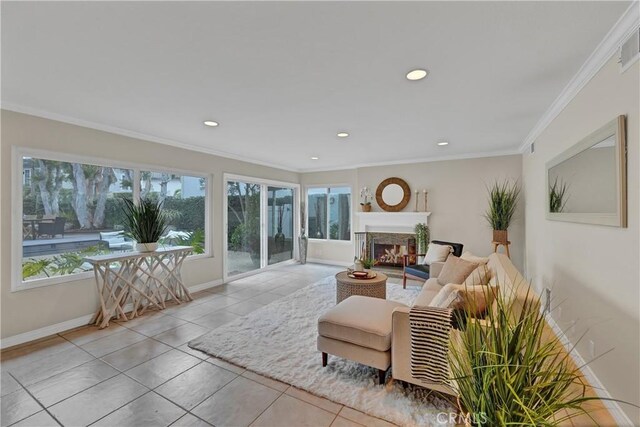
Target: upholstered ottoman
(359, 329)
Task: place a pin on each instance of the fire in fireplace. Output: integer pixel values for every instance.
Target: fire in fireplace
(389, 255)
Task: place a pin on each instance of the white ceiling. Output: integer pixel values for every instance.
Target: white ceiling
(283, 78)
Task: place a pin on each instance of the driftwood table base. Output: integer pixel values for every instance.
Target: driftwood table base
(134, 281)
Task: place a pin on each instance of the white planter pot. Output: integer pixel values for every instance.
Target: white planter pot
(146, 247)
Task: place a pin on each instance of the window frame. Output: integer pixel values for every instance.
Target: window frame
(17, 185)
(328, 188)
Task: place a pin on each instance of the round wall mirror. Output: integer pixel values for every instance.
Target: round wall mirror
(393, 194)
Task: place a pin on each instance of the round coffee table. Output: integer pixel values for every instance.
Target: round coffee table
(346, 286)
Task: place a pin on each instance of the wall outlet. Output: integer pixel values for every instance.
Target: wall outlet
(559, 313)
(592, 349)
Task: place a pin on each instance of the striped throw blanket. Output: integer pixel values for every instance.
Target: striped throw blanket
(430, 334)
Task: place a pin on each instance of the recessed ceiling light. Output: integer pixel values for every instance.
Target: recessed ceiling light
(343, 134)
(315, 158)
(418, 74)
(443, 143)
(210, 123)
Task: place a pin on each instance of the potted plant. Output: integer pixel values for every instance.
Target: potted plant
(146, 222)
(422, 237)
(365, 199)
(508, 368)
(503, 200)
(557, 196)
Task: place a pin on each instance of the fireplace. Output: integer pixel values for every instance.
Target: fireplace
(387, 249)
(386, 236)
(388, 255)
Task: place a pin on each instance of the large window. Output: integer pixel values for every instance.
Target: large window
(329, 213)
(71, 210)
(183, 200)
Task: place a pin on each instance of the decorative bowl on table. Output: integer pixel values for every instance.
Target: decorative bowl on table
(362, 275)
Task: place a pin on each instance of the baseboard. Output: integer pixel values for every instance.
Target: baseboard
(77, 322)
(206, 285)
(45, 332)
(622, 419)
(329, 262)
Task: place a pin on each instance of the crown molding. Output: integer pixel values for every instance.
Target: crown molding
(146, 137)
(498, 153)
(626, 24)
(137, 135)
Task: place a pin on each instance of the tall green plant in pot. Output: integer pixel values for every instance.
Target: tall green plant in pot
(503, 200)
(510, 370)
(145, 223)
(422, 237)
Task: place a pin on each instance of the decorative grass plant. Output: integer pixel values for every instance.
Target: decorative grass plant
(146, 222)
(509, 372)
(503, 200)
(557, 196)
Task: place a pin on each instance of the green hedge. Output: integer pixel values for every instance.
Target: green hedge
(190, 212)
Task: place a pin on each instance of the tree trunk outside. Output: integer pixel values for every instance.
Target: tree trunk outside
(107, 177)
(164, 181)
(80, 196)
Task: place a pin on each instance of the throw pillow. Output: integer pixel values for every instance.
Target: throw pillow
(477, 259)
(437, 253)
(474, 300)
(455, 270)
(443, 298)
(478, 277)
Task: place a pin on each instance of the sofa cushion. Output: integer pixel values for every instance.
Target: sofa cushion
(455, 270)
(437, 253)
(429, 290)
(359, 320)
(478, 277)
(473, 258)
(421, 271)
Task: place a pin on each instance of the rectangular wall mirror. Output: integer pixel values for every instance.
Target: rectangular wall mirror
(587, 183)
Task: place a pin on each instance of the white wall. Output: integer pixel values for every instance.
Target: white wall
(593, 270)
(457, 199)
(31, 309)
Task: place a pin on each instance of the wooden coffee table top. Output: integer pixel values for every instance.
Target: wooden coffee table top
(342, 277)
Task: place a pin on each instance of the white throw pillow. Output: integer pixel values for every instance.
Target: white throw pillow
(437, 253)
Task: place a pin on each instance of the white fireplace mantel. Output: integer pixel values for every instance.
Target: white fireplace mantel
(391, 222)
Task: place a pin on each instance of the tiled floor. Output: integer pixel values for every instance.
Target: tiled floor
(142, 373)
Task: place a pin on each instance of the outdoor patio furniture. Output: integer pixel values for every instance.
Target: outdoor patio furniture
(29, 226)
(51, 227)
(116, 240)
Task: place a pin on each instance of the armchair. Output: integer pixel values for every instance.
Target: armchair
(421, 271)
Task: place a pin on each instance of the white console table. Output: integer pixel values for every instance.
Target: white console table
(142, 279)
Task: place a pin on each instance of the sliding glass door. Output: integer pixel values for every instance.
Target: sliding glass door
(260, 224)
(244, 245)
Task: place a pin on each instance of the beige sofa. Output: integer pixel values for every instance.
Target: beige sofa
(503, 272)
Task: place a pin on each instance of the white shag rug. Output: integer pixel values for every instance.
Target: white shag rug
(279, 341)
